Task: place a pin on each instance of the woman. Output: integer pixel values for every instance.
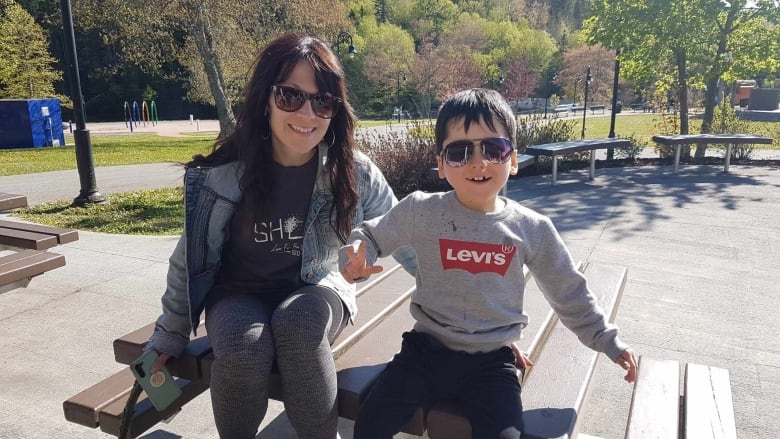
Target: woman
(265, 214)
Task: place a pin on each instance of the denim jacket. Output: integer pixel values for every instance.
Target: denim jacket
(211, 197)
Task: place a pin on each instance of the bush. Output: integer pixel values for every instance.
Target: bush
(408, 162)
(632, 151)
(536, 130)
(726, 121)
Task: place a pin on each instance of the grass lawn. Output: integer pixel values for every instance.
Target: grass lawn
(107, 150)
(148, 212)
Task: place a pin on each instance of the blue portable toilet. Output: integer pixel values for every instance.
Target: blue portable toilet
(30, 123)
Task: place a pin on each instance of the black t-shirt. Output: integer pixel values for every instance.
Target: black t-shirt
(263, 253)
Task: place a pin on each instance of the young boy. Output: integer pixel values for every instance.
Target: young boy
(471, 246)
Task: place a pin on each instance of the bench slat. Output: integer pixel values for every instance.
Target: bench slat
(63, 236)
(145, 415)
(25, 239)
(26, 264)
(12, 201)
(555, 389)
(83, 408)
(709, 411)
(654, 412)
(557, 148)
(706, 139)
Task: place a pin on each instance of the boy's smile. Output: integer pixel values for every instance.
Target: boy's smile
(478, 182)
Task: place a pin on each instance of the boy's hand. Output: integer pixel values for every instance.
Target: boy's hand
(521, 359)
(627, 361)
(356, 268)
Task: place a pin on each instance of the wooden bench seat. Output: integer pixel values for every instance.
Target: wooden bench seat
(701, 408)
(17, 268)
(362, 351)
(677, 140)
(34, 236)
(593, 108)
(11, 201)
(562, 148)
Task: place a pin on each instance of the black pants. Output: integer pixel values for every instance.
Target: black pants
(424, 372)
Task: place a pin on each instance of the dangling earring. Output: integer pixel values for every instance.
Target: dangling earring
(333, 137)
(267, 121)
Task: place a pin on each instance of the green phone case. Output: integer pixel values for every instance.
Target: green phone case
(160, 386)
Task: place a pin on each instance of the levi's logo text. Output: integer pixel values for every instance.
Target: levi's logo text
(475, 257)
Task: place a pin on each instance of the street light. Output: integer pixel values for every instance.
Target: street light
(345, 37)
(84, 162)
(588, 78)
(398, 76)
(550, 78)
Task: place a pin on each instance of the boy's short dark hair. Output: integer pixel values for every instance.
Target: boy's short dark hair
(472, 105)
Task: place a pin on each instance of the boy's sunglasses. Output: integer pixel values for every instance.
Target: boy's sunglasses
(496, 150)
(291, 99)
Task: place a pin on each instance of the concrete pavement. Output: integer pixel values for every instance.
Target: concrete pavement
(701, 249)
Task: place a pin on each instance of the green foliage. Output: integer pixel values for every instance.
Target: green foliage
(536, 130)
(631, 152)
(26, 70)
(726, 121)
(407, 162)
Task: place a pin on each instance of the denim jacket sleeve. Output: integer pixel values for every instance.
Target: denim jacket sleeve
(171, 331)
(378, 199)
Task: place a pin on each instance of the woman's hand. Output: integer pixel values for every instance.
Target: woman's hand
(356, 268)
(159, 364)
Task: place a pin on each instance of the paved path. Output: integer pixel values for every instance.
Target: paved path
(701, 248)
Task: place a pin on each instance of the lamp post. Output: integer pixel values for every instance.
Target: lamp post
(345, 37)
(398, 77)
(588, 78)
(88, 193)
(550, 78)
(611, 151)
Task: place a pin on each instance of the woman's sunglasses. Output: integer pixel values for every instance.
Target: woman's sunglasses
(496, 150)
(291, 99)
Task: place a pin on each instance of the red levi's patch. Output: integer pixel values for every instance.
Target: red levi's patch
(476, 257)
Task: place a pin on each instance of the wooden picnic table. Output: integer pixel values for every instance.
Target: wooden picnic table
(677, 140)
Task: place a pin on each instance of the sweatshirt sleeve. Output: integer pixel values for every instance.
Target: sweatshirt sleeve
(566, 289)
(385, 234)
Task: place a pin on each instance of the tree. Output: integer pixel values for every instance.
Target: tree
(26, 70)
(216, 39)
(685, 43)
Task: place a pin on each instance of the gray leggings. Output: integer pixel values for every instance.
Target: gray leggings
(248, 332)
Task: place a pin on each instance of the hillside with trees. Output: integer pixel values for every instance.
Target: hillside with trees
(193, 56)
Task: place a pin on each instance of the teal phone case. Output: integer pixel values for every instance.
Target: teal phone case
(159, 387)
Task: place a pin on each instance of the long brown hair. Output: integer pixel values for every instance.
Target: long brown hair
(250, 143)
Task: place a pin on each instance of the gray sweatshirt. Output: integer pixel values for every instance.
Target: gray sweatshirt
(470, 280)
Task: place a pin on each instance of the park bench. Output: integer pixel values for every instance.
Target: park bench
(553, 390)
(659, 409)
(593, 108)
(636, 107)
(677, 140)
(561, 148)
(23, 245)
